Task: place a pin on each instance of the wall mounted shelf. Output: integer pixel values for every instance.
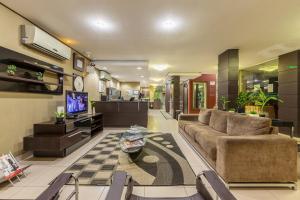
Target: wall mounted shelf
(20, 79)
(25, 78)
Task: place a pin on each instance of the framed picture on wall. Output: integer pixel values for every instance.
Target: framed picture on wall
(78, 62)
(78, 83)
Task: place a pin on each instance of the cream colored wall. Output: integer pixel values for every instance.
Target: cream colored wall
(19, 111)
(125, 86)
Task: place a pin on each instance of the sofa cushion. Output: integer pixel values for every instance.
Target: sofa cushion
(183, 123)
(191, 129)
(207, 137)
(218, 120)
(204, 116)
(246, 125)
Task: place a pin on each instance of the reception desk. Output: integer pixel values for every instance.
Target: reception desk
(123, 113)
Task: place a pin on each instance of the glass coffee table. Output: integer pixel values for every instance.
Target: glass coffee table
(133, 141)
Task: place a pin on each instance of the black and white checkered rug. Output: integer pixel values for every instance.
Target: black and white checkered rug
(160, 163)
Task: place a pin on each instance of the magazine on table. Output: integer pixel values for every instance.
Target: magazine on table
(134, 138)
(132, 144)
(9, 166)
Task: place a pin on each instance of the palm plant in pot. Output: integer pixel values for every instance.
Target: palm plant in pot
(242, 100)
(224, 101)
(262, 99)
(60, 117)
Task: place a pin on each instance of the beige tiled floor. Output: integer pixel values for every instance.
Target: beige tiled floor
(42, 172)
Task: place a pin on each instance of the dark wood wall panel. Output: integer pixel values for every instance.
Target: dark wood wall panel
(289, 89)
(228, 70)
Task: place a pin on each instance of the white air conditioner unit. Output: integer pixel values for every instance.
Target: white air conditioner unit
(105, 76)
(34, 37)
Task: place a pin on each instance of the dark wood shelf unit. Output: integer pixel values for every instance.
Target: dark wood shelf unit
(25, 77)
(59, 140)
(3, 76)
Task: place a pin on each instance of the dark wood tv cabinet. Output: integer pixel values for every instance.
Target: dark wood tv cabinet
(58, 140)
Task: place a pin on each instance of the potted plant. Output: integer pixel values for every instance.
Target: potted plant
(231, 110)
(60, 117)
(224, 101)
(252, 113)
(242, 100)
(92, 103)
(11, 70)
(157, 96)
(39, 76)
(261, 99)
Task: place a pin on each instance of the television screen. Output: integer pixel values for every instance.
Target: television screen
(76, 102)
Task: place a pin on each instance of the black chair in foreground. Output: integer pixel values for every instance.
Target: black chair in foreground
(119, 179)
(52, 192)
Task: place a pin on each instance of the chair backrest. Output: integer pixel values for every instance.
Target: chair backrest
(51, 192)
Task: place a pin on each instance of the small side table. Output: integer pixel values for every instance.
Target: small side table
(282, 123)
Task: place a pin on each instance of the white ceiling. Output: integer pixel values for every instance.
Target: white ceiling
(126, 70)
(261, 29)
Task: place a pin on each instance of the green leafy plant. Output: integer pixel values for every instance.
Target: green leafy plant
(11, 70)
(243, 99)
(39, 76)
(157, 93)
(253, 112)
(60, 114)
(262, 99)
(92, 103)
(224, 101)
(231, 110)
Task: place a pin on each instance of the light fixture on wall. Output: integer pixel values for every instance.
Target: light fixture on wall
(91, 68)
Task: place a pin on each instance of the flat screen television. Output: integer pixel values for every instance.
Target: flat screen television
(76, 103)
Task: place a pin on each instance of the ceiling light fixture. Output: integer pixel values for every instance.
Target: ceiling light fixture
(156, 79)
(139, 68)
(160, 67)
(268, 68)
(169, 24)
(142, 76)
(104, 25)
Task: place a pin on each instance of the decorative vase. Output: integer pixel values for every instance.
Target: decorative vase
(10, 73)
(241, 110)
(60, 120)
(262, 114)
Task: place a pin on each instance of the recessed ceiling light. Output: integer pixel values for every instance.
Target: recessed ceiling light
(169, 24)
(156, 79)
(139, 68)
(160, 67)
(105, 25)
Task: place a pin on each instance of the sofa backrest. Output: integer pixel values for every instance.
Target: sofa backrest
(246, 125)
(218, 120)
(204, 116)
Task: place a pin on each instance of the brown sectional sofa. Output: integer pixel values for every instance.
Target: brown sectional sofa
(242, 149)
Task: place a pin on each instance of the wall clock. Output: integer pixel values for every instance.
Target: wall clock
(78, 83)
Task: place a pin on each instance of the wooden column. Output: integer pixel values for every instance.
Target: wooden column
(175, 81)
(228, 70)
(289, 89)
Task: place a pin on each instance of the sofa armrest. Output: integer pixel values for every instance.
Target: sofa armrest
(188, 117)
(263, 158)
